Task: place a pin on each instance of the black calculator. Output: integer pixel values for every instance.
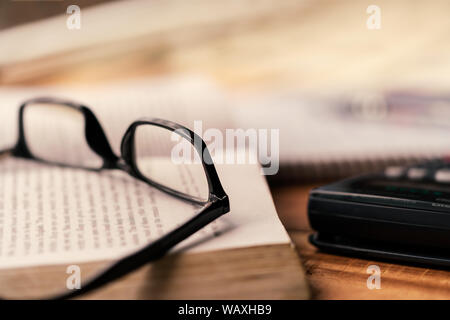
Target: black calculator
(400, 214)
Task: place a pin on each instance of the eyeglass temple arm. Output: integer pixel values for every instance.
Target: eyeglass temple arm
(155, 250)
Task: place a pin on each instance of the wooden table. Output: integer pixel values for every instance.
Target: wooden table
(312, 45)
(338, 277)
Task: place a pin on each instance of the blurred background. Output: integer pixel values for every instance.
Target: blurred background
(255, 44)
(350, 87)
(346, 98)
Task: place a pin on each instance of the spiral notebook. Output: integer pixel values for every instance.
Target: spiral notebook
(338, 135)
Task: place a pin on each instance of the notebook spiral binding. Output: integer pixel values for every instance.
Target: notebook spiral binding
(291, 173)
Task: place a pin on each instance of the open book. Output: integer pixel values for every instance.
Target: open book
(53, 217)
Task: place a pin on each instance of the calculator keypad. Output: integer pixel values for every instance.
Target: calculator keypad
(437, 170)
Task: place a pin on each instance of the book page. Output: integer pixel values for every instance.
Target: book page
(56, 215)
(183, 99)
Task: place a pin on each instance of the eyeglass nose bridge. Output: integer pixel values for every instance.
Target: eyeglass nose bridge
(97, 140)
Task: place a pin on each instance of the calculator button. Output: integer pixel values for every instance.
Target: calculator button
(443, 176)
(417, 173)
(394, 172)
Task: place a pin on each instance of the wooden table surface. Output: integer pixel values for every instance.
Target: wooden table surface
(321, 44)
(338, 277)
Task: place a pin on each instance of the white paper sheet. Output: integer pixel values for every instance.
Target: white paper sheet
(55, 215)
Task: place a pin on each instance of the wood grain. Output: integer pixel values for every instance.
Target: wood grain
(339, 277)
(266, 272)
(16, 12)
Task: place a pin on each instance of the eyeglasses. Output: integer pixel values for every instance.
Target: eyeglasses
(145, 149)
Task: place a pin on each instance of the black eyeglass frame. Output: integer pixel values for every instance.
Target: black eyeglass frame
(216, 205)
